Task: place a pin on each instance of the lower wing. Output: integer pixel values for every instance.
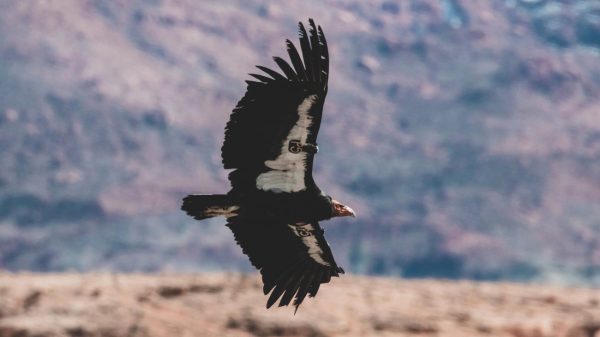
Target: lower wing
(294, 259)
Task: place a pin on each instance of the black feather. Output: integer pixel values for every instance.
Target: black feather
(253, 83)
(277, 76)
(285, 67)
(316, 52)
(296, 61)
(304, 287)
(314, 291)
(262, 78)
(316, 283)
(282, 287)
(272, 278)
(305, 46)
(324, 58)
(291, 290)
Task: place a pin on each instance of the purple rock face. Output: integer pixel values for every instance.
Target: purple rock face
(466, 135)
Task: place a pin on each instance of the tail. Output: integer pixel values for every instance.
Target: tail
(207, 206)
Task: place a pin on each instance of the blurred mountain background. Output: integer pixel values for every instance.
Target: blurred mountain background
(466, 134)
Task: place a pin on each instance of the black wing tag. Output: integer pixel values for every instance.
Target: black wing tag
(295, 146)
(307, 234)
(302, 229)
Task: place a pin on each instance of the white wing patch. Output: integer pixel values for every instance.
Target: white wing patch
(287, 170)
(305, 232)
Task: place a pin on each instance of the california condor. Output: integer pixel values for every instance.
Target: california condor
(274, 206)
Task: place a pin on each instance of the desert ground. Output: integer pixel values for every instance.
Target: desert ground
(229, 304)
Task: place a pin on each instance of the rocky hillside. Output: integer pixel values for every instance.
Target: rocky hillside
(465, 133)
(116, 305)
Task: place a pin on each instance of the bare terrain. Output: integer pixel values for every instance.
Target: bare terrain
(111, 305)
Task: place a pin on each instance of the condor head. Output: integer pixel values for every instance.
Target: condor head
(340, 209)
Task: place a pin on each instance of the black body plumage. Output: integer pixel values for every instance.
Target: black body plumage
(274, 205)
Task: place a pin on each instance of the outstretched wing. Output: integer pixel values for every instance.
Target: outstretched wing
(271, 136)
(293, 259)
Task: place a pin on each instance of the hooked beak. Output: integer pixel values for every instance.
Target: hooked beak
(342, 210)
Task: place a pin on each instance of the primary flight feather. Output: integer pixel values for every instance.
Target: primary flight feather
(274, 206)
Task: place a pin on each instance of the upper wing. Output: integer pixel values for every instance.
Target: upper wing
(294, 259)
(271, 135)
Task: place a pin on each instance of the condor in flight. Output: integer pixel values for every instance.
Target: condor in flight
(274, 205)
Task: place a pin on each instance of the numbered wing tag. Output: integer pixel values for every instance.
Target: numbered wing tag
(306, 233)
